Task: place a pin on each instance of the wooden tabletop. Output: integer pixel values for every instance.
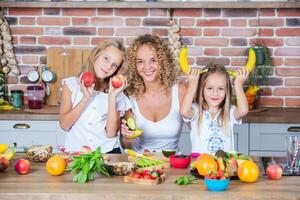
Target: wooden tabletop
(38, 185)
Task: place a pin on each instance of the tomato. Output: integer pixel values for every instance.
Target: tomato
(88, 79)
(248, 172)
(56, 165)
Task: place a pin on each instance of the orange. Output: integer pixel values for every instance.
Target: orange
(206, 163)
(56, 165)
(248, 172)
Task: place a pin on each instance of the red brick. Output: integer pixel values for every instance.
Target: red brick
(287, 71)
(27, 40)
(107, 21)
(79, 31)
(266, 91)
(97, 40)
(292, 81)
(24, 80)
(51, 11)
(25, 11)
(212, 12)
(131, 31)
(211, 51)
(271, 101)
(15, 40)
(266, 32)
(80, 21)
(27, 21)
(266, 22)
(292, 41)
(271, 42)
(193, 12)
(292, 61)
(81, 41)
(195, 51)
(212, 22)
(211, 42)
(186, 22)
(54, 40)
(287, 52)
(277, 61)
(156, 22)
(133, 22)
(30, 59)
(106, 31)
(211, 32)
(190, 32)
(287, 92)
(206, 60)
(22, 30)
(238, 42)
(25, 69)
(288, 12)
(240, 12)
(159, 32)
(131, 12)
(247, 32)
(187, 40)
(78, 12)
(53, 30)
(53, 21)
(238, 22)
(288, 32)
(105, 11)
(233, 51)
(12, 79)
(238, 61)
(267, 12)
(158, 12)
(292, 102)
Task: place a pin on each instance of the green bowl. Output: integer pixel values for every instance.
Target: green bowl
(168, 152)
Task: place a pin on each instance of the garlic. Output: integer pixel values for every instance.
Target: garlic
(174, 39)
(5, 70)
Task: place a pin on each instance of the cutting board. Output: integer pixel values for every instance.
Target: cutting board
(64, 63)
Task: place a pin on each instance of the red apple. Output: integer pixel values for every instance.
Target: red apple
(117, 81)
(274, 172)
(88, 78)
(3, 164)
(22, 166)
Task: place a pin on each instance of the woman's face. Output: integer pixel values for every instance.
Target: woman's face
(215, 90)
(147, 63)
(108, 62)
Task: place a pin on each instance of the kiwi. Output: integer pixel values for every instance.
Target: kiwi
(168, 152)
(131, 123)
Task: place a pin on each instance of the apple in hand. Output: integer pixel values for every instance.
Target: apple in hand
(117, 81)
(3, 164)
(88, 78)
(274, 172)
(22, 166)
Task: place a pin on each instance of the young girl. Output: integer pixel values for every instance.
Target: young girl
(91, 115)
(213, 118)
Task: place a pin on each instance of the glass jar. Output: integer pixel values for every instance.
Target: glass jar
(17, 98)
(36, 96)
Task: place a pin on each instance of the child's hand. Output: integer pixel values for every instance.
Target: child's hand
(87, 91)
(241, 77)
(112, 91)
(193, 76)
(125, 130)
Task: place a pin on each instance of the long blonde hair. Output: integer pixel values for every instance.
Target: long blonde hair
(224, 117)
(168, 71)
(95, 53)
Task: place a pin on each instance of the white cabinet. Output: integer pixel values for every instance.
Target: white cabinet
(28, 133)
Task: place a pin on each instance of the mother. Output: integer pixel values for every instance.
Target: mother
(155, 95)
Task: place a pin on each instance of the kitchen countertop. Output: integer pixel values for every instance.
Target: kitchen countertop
(271, 115)
(38, 184)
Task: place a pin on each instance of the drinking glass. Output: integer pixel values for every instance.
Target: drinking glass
(293, 154)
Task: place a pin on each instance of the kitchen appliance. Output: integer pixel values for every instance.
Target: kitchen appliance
(36, 96)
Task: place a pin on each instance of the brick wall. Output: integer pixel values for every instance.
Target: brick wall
(218, 35)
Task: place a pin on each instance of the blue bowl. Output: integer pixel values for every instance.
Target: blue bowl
(216, 185)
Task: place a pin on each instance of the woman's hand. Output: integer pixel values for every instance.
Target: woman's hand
(241, 77)
(125, 130)
(87, 91)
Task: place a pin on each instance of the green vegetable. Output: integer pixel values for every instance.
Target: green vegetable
(184, 180)
(142, 162)
(86, 165)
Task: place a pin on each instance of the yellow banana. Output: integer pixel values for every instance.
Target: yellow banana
(231, 73)
(137, 133)
(183, 61)
(6, 107)
(9, 154)
(3, 148)
(251, 60)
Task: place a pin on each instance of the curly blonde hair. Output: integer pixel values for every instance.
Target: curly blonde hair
(168, 72)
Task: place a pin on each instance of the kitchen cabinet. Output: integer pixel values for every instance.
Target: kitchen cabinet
(241, 139)
(28, 133)
(267, 139)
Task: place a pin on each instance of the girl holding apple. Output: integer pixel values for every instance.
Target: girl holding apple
(155, 95)
(90, 105)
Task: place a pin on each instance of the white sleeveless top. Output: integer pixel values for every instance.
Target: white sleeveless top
(163, 134)
(89, 129)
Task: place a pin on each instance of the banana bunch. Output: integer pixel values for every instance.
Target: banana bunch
(7, 153)
(183, 61)
(5, 106)
(174, 38)
(252, 90)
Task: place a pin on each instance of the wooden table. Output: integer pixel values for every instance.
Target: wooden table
(39, 185)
